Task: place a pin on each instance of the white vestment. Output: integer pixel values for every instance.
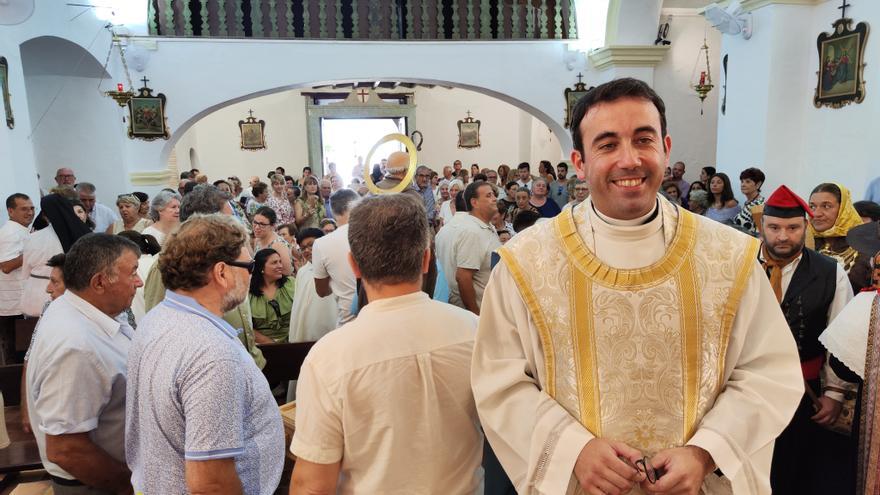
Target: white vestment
(742, 385)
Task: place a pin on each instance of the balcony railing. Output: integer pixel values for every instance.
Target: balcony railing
(365, 19)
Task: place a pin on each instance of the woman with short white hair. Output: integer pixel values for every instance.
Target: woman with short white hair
(447, 209)
(129, 212)
(165, 212)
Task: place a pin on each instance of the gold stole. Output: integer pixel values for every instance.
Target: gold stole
(638, 356)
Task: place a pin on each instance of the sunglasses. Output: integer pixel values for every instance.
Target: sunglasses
(247, 265)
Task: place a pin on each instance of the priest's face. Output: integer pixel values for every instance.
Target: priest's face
(624, 156)
(784, 237)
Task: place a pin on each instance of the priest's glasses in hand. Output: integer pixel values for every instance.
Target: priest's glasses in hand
(644, 466)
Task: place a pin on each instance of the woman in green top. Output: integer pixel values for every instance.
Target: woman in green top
(271, 298)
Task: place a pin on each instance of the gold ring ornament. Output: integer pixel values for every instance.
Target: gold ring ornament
(410, 172)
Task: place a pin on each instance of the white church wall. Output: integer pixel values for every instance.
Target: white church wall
(216, 137)
(693, 134)
(771, 122)
(73, 125)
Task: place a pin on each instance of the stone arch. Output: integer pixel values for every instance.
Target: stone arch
(555, 126)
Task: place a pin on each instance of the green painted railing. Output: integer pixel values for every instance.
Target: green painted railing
(365, 19)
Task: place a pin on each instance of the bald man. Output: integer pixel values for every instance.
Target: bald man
(395, 172)
(65, 177)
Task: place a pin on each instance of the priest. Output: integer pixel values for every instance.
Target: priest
(629, 346)
(811, 289)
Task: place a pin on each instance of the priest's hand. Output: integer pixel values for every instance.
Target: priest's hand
(681, 471)
(829, 410)
(600, 470)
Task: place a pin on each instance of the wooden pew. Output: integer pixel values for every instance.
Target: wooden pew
(284, 360)
(22, 454)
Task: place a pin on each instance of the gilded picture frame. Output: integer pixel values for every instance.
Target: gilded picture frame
(841, 65)
(572, 96)
(146, 116)
(253, 133)
(468, 133)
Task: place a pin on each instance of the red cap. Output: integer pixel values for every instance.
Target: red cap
(785, 204)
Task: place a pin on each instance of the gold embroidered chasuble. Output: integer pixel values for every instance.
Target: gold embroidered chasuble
(636, 355)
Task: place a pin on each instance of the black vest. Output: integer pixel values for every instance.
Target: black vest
(806, 302)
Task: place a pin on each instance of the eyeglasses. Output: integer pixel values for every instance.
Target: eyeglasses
(261, 224)
(644, 466)
(427, 176)
(247, 265)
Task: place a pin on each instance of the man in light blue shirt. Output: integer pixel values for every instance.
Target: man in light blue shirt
(200, 417)
(77, 367)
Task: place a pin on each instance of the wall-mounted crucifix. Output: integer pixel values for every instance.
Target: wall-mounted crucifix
(842, 8)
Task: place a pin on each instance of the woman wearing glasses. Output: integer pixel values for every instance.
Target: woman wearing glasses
(265, 236)
(271, 297)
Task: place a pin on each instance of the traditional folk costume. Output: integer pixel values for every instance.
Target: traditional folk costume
(657, 332)
(853, 339)
(832, 243)
(811, 289)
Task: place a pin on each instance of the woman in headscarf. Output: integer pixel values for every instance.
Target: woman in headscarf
(63, 230)
(833, 217)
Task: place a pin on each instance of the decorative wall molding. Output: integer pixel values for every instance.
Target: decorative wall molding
(152, 178)
(750, 5)
(680, 12)
(628, 56)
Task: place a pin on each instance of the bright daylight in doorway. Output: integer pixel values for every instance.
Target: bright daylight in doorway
(346, 142)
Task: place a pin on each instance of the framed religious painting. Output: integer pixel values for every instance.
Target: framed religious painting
(146, 116)
(468, 132)
(572, 96)
(253, 133)
(841, 65)
(4, 87)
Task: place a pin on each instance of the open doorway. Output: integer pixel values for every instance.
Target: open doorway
(346, 142)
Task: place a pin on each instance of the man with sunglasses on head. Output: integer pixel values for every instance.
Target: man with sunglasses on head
(200, 417)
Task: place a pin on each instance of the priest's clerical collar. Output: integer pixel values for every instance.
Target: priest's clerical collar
(642, 220)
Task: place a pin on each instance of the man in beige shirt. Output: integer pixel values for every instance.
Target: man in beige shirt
(383, 402)
(464, 248)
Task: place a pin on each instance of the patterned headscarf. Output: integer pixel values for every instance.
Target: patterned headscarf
(847, 217)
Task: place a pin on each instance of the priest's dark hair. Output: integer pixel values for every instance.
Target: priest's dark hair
(389, 235)
(626, 87)
(93, 254)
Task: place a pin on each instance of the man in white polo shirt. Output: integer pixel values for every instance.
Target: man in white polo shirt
(465, 248)
(384, 400)
(12, 236)
(333, 274)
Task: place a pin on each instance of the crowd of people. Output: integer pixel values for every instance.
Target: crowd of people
(536, 316)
